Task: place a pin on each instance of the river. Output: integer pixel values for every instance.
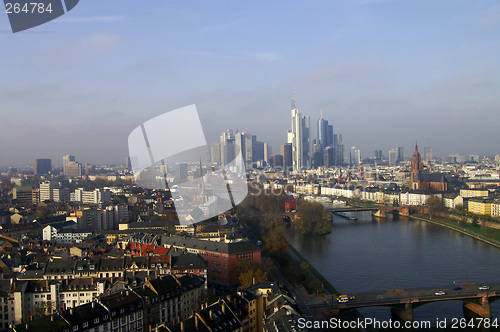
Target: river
(370, 255)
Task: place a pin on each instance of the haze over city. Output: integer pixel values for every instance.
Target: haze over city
(385, 73)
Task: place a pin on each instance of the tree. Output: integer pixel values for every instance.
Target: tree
(311, 219)
(251, 277)
(245, 273)
(462, 222)
(434, 204)
(275, 244)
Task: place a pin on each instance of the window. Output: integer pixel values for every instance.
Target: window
(96, 320)
(85, 324)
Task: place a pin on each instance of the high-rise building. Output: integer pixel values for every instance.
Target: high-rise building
(428, 153)
(66, 160)
(276, 161)
(216, 155)
(393, 157)
(43, 166)
(181, 172)
(23, 195)
(227, 147)
(329, 157)
(46, 190)
(330, 139)
(258, 153)
(286, 152)
(300, 139)
(378, 155)
(355, 157)
(338, 150)
(128, 163)
(317, 154)
(401, 155)
(268, 151)
(73, 169)
(322, 132)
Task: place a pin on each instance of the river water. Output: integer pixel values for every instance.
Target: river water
(370, 255)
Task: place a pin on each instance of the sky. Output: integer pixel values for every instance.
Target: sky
(385, 73)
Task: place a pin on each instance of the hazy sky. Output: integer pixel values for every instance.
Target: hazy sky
(385, 73)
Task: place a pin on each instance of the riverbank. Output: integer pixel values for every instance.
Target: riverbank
(298, 257)
(454, 225)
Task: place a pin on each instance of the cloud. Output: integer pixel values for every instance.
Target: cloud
(93, 19)
(94, 45)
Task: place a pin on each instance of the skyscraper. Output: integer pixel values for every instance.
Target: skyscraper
(393, 157)
(401, 155)
(355, 157)
(42, 166)
(300, 139)
(322, 132)
(66, 160)
(330, 139)
(286, 152)
(428, 153)
(216, 154)
(227, 147)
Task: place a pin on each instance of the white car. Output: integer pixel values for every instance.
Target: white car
(484, 287)
(440, 293)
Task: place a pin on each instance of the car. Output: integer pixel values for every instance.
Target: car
(457, 288)
(343, 299)
(440, 293)
(484, 287)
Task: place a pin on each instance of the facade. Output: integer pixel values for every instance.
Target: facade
(290, 203)
(66, 160)
(453, 201)
(480, 205)
(354, 157)
(417, 166)
(286, 152)
(42, 166)
(467, 193)
(299, 137)
(219, 256)
(23, 195)
(68, 235)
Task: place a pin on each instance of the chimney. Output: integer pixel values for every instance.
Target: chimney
(196, 321)
(71, 311)
(210, 314)
(182, 326)
(223, 307)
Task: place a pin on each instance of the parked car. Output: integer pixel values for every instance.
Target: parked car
(440, 293)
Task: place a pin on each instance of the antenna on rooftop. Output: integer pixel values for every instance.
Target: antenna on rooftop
(293, 100)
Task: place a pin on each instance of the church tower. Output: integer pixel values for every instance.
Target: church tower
(417, 166)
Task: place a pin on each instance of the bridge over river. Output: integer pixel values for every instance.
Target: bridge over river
(402, 302)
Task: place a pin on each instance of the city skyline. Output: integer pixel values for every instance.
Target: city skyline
(384, 73)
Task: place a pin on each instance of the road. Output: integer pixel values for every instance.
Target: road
(414, 296)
